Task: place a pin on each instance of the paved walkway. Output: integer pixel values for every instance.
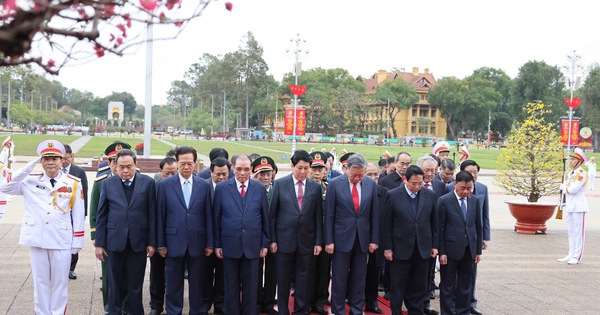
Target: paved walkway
(518, 274)
(80, 143)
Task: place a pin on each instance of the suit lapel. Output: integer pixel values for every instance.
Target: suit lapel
(176, 185)
(292, 190)
(405, 201)
(348, 191)
(365, 191)
(236, 194)
(195, 189)
(136, 188)
(420, 204)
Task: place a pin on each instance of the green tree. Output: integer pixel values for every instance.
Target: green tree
(449, 96)
(590, 106)
(502, 117)
(400, 95)
(538, 81)
(481, 99)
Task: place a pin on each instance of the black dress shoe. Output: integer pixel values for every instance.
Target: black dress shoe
(475, 311)
(432, 295)
(270, 311)
(155, 312)
(429, 311)
(318, 310)
(375, 310)
(328, 302)
(72, 275)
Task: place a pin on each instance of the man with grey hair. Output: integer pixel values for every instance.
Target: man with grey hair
(428, 164)
(447, 169)
(351, 232)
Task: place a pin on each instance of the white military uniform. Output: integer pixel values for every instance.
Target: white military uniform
(575, 208)
(48, 230)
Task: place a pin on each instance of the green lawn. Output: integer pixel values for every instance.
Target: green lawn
(26, 145)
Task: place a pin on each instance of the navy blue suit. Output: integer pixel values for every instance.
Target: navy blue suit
(186, 231)
(351, 233)
(460, 241)
(241, 231)
(125, 229)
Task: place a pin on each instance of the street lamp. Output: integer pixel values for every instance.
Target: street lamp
(297, 72)
(573, 67)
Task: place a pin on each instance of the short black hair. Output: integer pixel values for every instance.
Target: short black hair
(275, 169)
(466, 163)
(464, 176)
(413, 170)
(301, 155)
(219, 162)
(391, 160)
(185, 150)
(448, 164)
(68, 149)
(166, 161)
(218, 152)
(125, 152)
(171, 153)
(382, 162)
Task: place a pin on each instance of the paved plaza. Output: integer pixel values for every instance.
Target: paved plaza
(518, 274)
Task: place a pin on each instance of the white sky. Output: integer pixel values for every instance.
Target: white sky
(451, 38)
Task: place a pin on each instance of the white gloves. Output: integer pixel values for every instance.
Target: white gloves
(74, 251)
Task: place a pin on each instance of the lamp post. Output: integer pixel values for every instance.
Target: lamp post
(572, 85)
(298, 49)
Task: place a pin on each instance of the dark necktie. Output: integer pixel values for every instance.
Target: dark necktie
(300, 195)
(127, 183)
(243, 192)
(355, 198)
(53, 182)
(463, 207)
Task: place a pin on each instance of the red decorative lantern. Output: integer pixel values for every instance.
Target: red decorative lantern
(297, 89)
(573, 104)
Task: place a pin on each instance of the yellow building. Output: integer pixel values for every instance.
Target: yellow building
(420, 120)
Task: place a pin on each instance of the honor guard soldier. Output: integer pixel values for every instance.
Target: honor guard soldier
(576, 206)
(320, 293)
(263, 168)
(441, 150)
(344, 161)
(103, 173)
(51, 199)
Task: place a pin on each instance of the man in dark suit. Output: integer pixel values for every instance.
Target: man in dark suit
(69, 168)
(446, 174)
(296, 214)
(351, 232)
(241, 235)
(126, 231)
(213, 284)
(331, 173)
(262, 168)
(428, 164)
(396, 178)
(185, 231)
(168, 168)
(214, 153)
(410, 239)
(376, 259)
(460, 244)
(481, 191)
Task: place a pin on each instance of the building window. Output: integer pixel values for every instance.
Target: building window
(423, 97)
(413, 127)
(432, 128)
(414, 111)
(423, 129)
(433, 112)
(424, 112)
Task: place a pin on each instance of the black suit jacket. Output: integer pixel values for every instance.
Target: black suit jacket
(79, 172)
(391, 181)
(295, 229)
(456, 232)
(402, 230)
(381, 192)
(439, 188)
(117, 221)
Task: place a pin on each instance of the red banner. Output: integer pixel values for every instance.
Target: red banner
(564, 132)
(300, 122)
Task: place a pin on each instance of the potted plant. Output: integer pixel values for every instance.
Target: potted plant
(530, 165)
(139, 148)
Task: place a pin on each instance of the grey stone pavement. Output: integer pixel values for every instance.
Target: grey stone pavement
(518, 274)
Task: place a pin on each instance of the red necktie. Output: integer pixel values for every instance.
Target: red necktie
(300, 195)
(243, 192)
(426, 185)
(355, 197)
